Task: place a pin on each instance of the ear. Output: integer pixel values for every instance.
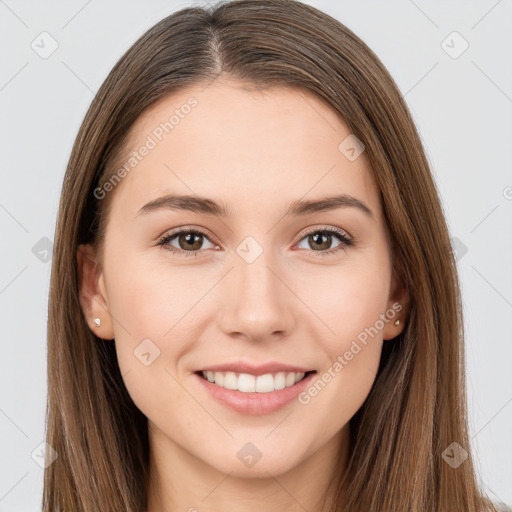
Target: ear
(398, 303)
(92, 292)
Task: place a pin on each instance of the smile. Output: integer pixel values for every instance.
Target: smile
(254, 395)
(247, 383)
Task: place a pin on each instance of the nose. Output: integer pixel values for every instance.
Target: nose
(258, 300)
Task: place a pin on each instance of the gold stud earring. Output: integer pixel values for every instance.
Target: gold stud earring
(96, 321)
(397, 322)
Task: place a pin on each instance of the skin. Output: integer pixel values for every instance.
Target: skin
(256, 152)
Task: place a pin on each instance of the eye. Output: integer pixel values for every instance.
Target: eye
(189, 242)
(320, 239)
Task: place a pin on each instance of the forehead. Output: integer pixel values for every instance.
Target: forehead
(244, 147)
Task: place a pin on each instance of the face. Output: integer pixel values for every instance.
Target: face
(182, 288)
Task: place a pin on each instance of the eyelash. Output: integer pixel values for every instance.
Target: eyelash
(345, 241)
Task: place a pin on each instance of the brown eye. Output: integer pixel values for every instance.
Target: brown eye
(321, 240)
(189, 242)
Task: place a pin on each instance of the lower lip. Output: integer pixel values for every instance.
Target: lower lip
(255, 403)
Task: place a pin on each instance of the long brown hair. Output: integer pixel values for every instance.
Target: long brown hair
(417, 405)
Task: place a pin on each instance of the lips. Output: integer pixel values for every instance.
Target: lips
(254, 403)
(253, 369)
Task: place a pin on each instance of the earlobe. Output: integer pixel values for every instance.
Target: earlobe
(396, 315)
(398, 308)
(92, 293)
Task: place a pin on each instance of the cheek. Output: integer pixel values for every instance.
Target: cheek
(149, 311)
(152, 332)
(349, 299)
(353, 308)
(353, 350)
(150, 299)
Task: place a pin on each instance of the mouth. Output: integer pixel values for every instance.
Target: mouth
(248, 383)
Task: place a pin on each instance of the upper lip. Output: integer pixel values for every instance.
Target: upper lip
(262, 369)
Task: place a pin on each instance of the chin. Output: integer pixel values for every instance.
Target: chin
(250, 462)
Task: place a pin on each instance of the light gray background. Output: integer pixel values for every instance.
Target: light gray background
(462, 107)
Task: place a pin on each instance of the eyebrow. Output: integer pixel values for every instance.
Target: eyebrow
(197, 204)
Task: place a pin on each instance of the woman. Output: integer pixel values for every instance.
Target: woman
(254, 303)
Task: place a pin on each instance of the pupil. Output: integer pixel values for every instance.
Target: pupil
(191, 239)
(325, 244)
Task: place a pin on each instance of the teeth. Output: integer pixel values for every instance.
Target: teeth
(250, 383)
